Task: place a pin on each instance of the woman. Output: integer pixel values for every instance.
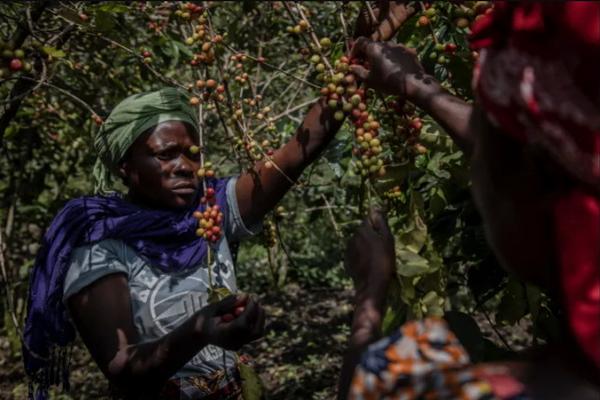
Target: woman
(534, 142)
(130, 274)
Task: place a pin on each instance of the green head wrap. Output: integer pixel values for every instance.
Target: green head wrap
(128, 120)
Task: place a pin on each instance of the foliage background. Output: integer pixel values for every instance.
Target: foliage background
(84, 57)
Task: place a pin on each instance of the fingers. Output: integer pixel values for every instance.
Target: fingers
(251, 320)
(359, 50)
(377, 220)
(242, 299)
(259, 327)
(360, 71)
(226, 305)
(247, 318)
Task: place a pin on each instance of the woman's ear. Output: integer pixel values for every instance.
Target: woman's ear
(124, 172)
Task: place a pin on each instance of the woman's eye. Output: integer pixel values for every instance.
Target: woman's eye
(166, 155)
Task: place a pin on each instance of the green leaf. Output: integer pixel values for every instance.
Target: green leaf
(395, 314)
(104, 21)
(183, 48)
(437, 201)
(53, 52)
(114, 8)
(432, 304)
(394, 176)
(11, 131)
(410, 263)
(252, 388)
(513, 305)
(468, 333)
(415, 235)
(534, 298)
(218, 294)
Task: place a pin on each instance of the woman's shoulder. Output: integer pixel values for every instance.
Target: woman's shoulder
(106, 250)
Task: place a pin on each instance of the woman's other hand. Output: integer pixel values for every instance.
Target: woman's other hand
(232, 322)
(370, 255)
(393, 69)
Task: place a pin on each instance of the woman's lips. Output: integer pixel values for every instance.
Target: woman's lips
(184, 188)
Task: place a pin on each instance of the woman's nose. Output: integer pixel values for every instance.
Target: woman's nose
(184, 166)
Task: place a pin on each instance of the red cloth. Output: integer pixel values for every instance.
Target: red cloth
(539, 81)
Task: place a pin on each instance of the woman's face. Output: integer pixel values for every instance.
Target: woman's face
(515, 203)
(160, 170)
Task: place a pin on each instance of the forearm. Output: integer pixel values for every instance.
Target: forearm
(259, 190)
(144, 368)
(366, 329)
(452, 113)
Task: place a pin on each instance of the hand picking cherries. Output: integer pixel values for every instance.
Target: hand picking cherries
(344, 96)
(240, 306)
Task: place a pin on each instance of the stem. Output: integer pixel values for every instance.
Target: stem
(371, 12)
(209, 262)
(315, 40)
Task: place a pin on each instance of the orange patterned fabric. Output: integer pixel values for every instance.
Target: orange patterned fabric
(422, 360)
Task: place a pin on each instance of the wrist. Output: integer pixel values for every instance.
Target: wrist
(368, 317)
(420, 90)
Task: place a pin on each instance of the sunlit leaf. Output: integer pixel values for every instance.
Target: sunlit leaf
(252, 388)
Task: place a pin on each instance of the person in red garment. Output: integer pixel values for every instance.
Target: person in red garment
(533, 137)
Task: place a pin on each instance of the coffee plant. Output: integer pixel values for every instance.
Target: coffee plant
(252, 69)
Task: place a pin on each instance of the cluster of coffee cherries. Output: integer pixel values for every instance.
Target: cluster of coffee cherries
(255, 150)
(146, 55)
(188, 10)
(202, 40)
(301, 26)
(270, 233)
(241, 76)
(209, 220)
(442, 52)
(158, 15)
(407, 128)
(461, 14)
(393, 194)
(13, 60)
(344, 96)
(210, 90)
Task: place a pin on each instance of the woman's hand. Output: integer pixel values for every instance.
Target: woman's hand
(217, 327)
(370, 255)
(393, 69)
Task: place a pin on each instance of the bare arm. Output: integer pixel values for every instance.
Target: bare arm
(451, 112)
(261, 188)
(366, 329)
(102, 315)
(371, 262)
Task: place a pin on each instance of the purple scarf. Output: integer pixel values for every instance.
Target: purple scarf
(165, 239)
